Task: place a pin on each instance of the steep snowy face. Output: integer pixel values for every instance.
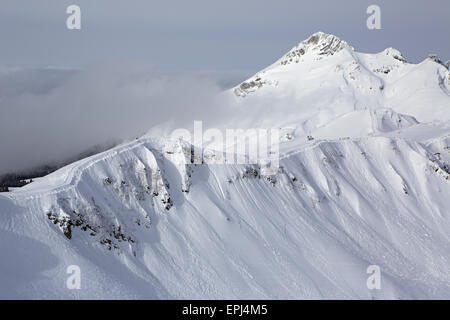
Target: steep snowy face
(364, 179)
(142, 221)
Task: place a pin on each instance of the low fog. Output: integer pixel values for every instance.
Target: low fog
(48, 117)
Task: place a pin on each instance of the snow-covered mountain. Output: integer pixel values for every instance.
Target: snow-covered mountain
(364, 179)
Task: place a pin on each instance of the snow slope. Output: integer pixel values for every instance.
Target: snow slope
(370, 186)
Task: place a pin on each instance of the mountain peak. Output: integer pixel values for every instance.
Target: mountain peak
(320, 36)
(394, 53)
(433, 57)
(322, 44)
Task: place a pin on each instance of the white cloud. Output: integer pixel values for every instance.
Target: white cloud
(50, 116)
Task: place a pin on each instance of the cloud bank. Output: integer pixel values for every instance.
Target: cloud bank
(50, 116)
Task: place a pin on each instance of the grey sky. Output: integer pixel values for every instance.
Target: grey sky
(196, 47)
(230, 35)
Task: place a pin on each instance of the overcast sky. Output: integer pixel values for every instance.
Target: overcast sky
(232, 35)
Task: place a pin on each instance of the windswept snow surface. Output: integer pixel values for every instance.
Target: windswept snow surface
(369, 186)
